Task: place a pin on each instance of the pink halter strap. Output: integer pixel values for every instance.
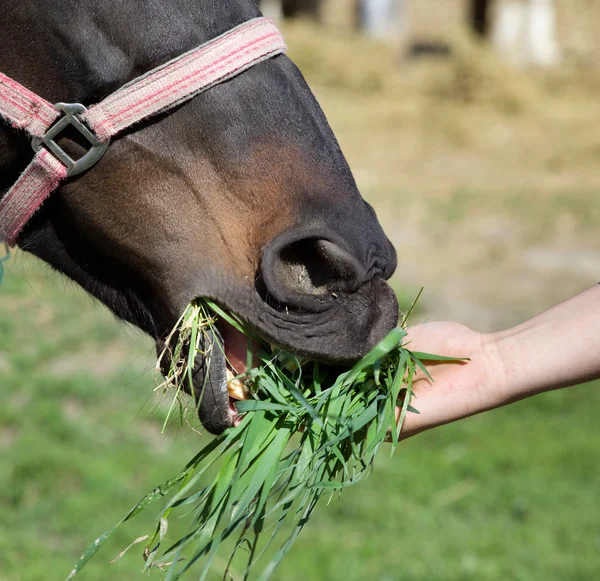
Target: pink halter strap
(155, 92)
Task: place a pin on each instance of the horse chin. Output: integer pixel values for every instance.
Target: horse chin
(340, 331)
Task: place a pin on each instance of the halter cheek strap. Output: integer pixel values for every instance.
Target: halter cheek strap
(155, 92)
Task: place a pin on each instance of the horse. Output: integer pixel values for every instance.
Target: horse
(241, 194)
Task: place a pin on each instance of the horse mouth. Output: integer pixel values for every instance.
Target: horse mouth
(338, 335)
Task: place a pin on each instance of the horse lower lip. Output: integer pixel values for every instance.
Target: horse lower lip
(216, 368)
(210, 385)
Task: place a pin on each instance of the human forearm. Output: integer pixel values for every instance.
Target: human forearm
(558, 348)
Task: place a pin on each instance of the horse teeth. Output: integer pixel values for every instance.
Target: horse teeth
(235, 387)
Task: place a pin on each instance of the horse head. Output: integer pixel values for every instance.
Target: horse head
(241, 194)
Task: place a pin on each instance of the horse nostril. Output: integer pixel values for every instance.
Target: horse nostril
(298, 269)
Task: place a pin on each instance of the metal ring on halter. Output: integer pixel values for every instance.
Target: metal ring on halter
(71, 117)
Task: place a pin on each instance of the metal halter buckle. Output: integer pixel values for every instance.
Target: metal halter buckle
(70, 117)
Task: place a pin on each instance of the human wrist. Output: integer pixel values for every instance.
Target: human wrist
(508, 370)
(526, 365)
(504, 378)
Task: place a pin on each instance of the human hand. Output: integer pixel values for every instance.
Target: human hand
(555, 349)
(459, 389)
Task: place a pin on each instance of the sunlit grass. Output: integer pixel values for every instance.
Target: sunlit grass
(512, 494)
(263, 483)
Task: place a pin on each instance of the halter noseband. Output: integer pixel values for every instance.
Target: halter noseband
(155, 92)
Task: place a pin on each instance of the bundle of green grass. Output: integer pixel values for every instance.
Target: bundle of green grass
(306, 432)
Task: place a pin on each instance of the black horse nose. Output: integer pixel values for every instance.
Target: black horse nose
(303, 269)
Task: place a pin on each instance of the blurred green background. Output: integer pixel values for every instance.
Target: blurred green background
(486, 179)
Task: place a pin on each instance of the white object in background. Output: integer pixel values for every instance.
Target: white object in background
(525, 32)
(508, 31)
(382, 18)
(272, 9)
(542, 46)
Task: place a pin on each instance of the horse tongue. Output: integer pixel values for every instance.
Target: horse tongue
(236, 348)
(236, 353)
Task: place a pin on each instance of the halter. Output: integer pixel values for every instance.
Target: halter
(155, 92)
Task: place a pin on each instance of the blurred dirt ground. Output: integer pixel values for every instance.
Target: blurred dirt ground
(486, 178)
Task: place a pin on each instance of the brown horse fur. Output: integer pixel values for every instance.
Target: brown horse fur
(241, 195)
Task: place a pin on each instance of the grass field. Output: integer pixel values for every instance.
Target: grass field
(511, 495)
